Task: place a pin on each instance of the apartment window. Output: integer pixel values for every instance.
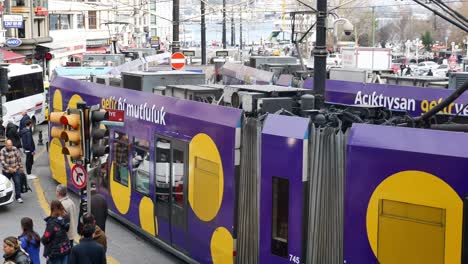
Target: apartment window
(80, 23)
(153, 32)
(22, 31)
(39, 27)
(60, 21)
(153, 5)
(20, 3)
(92, 19)
(153, 19)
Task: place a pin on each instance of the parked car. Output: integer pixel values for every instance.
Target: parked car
(334, 59)
(7, 191)
(423, 67)
(441, 71)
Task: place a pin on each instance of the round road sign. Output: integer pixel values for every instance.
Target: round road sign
(177, 61)
(79, 176)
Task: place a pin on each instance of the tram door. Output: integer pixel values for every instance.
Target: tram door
(171, 181)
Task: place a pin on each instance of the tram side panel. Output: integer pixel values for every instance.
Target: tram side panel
(284, 168)
(404, 191)
(173, 182)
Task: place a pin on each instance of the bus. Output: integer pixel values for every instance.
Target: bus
(25, 93)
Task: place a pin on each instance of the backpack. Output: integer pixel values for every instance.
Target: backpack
(24, 183)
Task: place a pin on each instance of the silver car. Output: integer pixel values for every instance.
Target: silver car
(7, 191)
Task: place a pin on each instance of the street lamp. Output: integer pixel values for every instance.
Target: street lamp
(347, 28)
(465, 41)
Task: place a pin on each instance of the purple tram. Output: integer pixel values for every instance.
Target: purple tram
(211, 185)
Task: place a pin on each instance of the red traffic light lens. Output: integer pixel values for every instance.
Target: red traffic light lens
(48, 56)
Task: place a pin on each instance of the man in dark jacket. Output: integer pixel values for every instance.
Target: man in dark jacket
(98, 207)
(23, 120)
(11, 132)
(28, 145)
(99, 236)
(87, 251)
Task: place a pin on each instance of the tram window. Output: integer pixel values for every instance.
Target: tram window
(121, 158)
(163, 177)
(140, 165)
(178, 172)
(280, 212)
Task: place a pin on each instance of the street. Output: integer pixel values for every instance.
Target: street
(123, 245)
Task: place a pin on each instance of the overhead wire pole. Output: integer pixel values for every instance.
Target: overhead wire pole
(320, 54)
(224, 24)
(233, 29)
(203, 32)
(175, 26)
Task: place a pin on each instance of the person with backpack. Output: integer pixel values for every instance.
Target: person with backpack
(55, 239)
(14, 252)
(30, 240)
(12, 132)
(28, 145)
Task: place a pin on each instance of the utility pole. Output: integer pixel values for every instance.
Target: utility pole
(7, 12)
(320, 54)
(224, 24)
(240, 30)
(233, 29)
(373, 26)
(175, 26)
(203, 32)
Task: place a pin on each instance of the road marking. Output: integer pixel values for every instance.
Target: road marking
(39, 154)
(46, 209)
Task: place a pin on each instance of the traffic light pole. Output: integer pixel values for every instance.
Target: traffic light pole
(85, 144)
(320, 54)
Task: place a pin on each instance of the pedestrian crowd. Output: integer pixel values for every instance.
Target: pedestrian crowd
(63, 224)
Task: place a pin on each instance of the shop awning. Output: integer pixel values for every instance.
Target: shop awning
(12, 57)
(97, 50)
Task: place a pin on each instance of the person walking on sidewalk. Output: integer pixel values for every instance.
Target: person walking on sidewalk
(88, 251)
(70, 208)
(12, 132)
(14, 252)
(28, 145)
(30, 240)
(23, 120)
(98, 207)
(55, 239)
(11, 166)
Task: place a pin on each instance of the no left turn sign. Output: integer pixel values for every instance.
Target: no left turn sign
(79, 176)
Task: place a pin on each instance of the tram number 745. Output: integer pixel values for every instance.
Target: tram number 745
(294, 259)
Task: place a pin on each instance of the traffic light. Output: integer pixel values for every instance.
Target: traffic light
(73, 134)
(99, 143)
(70, 130)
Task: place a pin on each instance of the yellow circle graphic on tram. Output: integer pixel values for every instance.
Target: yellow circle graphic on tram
(57, 101)
(413, 215)
(57, 164)
(73, 100)
(147, 218)
(222, 246)
(206, 178)
(120, 193)
(57, 161)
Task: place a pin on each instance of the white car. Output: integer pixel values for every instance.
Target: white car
(423, 67)
(7, 191)
(441, 71)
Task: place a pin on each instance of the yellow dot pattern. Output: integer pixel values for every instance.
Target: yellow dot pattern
(147, 220)
(120, 193)
(205, 177)
(222, 246)
(420, 188)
